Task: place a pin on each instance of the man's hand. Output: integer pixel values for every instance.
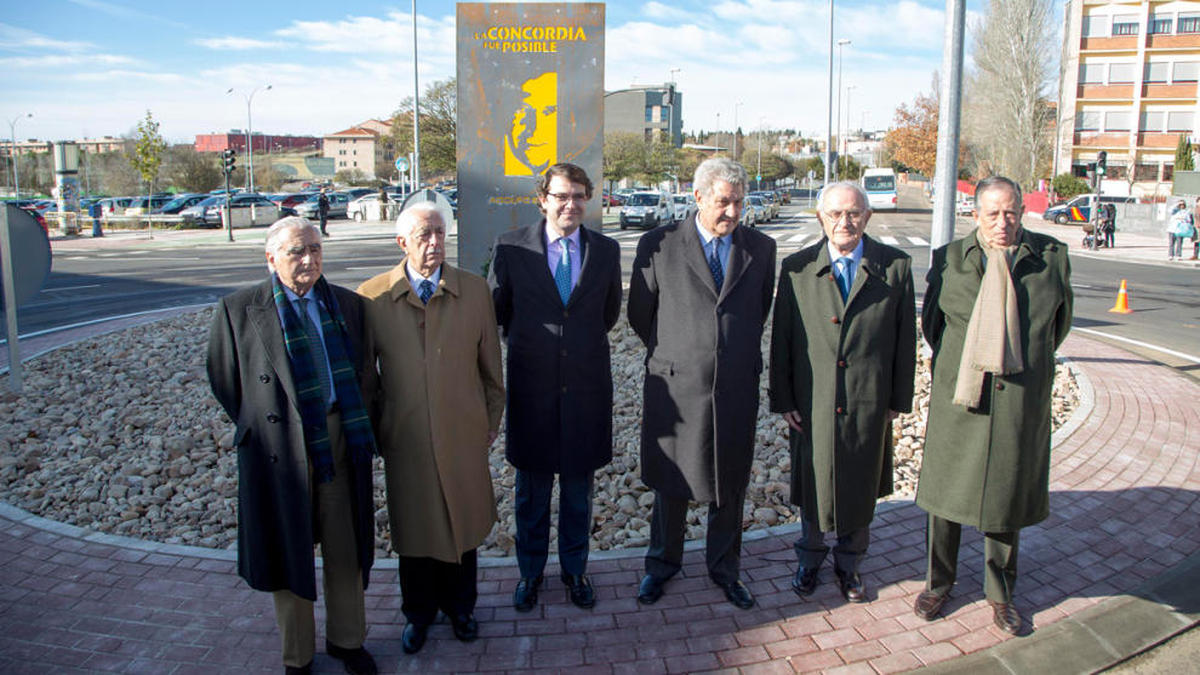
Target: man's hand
(892, 414)
(794, 420)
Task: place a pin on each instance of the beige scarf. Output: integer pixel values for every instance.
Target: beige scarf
(993, 341)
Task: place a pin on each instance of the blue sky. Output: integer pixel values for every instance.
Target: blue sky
(95, 66)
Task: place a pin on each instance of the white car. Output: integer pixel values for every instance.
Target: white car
(684, 204)
(647, 210)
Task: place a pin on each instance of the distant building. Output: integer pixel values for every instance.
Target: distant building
(354, 148)
(1128, 86)
(263, 143)
(90, 145)
(652, 111)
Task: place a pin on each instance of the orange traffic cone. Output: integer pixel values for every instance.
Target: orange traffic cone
(1122, 306)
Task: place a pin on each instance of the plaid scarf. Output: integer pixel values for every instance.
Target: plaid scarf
(356, 427)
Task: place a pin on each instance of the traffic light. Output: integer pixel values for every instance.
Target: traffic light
(1101, 163)
(229, 160)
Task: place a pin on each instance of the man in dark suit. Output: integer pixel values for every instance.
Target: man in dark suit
(557, 291)
(323, 211)
(843, 353)
(286, 362)
(699, 298)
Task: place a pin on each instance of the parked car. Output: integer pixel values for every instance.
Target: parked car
(965, 206)
(366, 206)
(338, 201)
(114, 206)
(608, 199)
(785, 196)
(684, 205)
(749, 215)
(767, 202)
(355, 193)
(1079, 209)
(238, 202)
(646, 209)
(762, 213)
(180, 202)
(142, 204)
(196, 213)
(289, 200)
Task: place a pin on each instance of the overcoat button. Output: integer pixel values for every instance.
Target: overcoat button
(834, 319)
(274, 459)
(272, 417)
(841, 364)
(999, 386)
(841, 410)
(264, 378)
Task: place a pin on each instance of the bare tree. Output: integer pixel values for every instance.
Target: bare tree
(1009, 113)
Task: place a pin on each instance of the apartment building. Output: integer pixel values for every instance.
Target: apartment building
(354, 148)
(652, 111)
(1129, 81)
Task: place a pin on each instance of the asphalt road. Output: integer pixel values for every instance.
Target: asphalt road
(98, 284)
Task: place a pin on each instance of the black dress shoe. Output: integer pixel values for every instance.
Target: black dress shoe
(651, 589)
(928, 604)
(466, 628)
(525, 596)
(580, 587)
(851, 586)
(738, 594)
(355, 661)
(1006, 617)
(805, 581)
(413, 637)
(305, 669)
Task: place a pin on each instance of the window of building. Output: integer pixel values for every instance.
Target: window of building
(1091, 73)
(649, 113)
(1159, 24)
(1186, 71)
(1168, 172)
(1157, 72)
(1181, 120)
(1095, 26)
(1144, 172)
(1189, 22)
(1121, 72)
(1088, 120)
(1125, 24)
(1117, 120)
(1151, 121)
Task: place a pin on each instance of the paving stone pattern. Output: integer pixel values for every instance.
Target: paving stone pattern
(1125, 509)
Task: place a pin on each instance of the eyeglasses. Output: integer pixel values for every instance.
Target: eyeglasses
(564, 197)
(853, 216)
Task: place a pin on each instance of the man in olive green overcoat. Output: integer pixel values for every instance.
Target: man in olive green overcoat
(997, 308)
(843, 352)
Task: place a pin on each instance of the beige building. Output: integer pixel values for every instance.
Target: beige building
(92, 145)
(1128, 85)
(354, 148)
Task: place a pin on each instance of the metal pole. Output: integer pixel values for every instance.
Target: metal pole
(12, 131)
(840, 43)
(829, 120)
(735, 130)
(718, 132)
(10, 304)
(946, 173)
(416, 166)
(844, 141)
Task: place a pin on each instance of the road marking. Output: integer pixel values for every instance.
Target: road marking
(799, 238)
(1139, 343)
(184, 308)
(890, 241)
(917, 241)
(70, 288)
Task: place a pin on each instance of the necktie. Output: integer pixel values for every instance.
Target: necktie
(320, 358)
(714, 264)
(425, 291)
(843, 276)
(562, 273)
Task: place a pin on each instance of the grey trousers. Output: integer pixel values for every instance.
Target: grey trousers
(723, 544)
(999, 553)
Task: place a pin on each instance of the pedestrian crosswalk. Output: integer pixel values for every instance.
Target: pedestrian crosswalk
(790, 237)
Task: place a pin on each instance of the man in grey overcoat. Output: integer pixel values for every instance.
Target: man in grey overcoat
(557, 290)
(997, 307)
(843, 353)
(288, 361)
(699, 297)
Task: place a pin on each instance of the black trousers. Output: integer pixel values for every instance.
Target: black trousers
(532, 515)
(723, 543)
(999, 553)
(428, 585)
(848, 552)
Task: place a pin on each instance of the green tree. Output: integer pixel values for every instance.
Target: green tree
(1183, 154)
(353, 177)
(848, 168)
(191, 171)
(1067, 185)
(439, 115)
(624, 154)
(148, 149)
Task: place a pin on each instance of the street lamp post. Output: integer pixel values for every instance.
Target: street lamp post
(12, 152)
(250, 137)
(845, 143)
(718, 133)
(758, 173)
(829, 118)
(735, 129)
(671, 108)
(840, 43)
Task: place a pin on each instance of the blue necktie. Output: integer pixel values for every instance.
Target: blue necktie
(320, 358)
(425, 291)
(562, 273)
(843, 276)
(714, 264)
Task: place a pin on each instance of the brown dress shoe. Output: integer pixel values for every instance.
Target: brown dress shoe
(1006, 617)
(928, 604)
(851, 586)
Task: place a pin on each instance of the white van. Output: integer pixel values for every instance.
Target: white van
(880, 186)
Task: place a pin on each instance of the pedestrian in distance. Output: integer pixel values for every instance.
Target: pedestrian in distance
(441, 397)
(1180, 226)
(843, 356)
(699, 297)
(556, 287)
(323, 211)
(997, 307)
(288, 360)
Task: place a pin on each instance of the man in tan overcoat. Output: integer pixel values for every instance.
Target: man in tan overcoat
(440, 402)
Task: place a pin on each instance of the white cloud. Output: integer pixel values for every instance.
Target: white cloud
(119, 75)
(21, 39)
(657, 10)
(237, 43)
(62, 61)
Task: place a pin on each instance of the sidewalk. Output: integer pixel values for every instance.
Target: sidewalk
(1114, 570)
(1129, 246)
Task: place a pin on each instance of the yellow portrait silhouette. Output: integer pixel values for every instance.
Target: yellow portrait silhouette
(532, 141)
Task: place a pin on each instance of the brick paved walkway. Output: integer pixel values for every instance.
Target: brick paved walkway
(1125, 505)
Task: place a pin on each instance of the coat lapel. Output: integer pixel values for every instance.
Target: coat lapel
(693, 248)
(261, 314)
(868, 267)
(534, 241)
(739, 259)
